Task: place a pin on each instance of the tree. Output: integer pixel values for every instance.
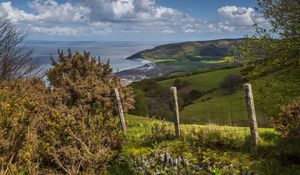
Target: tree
(231, 83)
(15, 58)
(275, 48)
(140, 105)
(274, 51)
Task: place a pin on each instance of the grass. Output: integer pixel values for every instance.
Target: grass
(214, 107)
(141, 127)
(217, 108)
(201, 143)
(204, 81)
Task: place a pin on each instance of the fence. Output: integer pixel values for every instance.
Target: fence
(234, 118)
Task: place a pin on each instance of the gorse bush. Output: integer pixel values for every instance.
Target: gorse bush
(70, 129)
(85, 81)
(20, 112)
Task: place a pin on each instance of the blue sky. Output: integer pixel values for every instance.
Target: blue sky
(135, 20)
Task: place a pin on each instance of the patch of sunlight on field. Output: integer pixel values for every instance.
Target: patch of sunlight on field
(204, 81)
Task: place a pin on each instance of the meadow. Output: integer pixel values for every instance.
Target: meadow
(212, 147)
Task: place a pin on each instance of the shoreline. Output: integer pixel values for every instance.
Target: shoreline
(138, 73)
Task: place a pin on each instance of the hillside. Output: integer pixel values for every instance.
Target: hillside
(214, 106)
(151, 148)
(183, 57)
(190, 51)
(204, 81)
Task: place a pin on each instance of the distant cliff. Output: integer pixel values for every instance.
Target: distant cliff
(191, 51)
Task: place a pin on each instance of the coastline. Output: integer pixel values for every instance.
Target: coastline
(149, 69)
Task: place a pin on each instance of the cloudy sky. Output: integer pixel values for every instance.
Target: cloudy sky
(136, 20)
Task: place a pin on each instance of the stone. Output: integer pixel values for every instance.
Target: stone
(162, 157)
(196, 167)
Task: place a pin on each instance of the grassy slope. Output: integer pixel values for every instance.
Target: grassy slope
(219, 108)
(204, 81)
(276, 88)
(266, 162)
(190, 56)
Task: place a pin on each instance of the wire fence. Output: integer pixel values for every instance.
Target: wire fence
(208, 120)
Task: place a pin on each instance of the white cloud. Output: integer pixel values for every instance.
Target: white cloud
(98, 17)
(60, 31)
(15, 14)
(240, 18)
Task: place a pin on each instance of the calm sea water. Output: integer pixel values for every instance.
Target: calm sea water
(115, 51)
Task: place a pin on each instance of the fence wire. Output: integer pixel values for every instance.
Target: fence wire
(223, 121)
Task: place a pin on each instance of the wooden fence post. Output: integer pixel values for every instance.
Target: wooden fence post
(121, 113)
(251, 116)
(176, 111)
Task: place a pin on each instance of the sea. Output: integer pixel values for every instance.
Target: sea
(114, 51)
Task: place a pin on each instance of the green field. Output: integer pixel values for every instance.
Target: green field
(198, 144)
(214, 107)
(205, 81)
(221, 109)
(141, 127)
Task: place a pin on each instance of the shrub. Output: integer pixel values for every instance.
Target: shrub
(288, 120)
(231, 83)
(70, 129)
(192, 95)
(178, 83)
(20, 112)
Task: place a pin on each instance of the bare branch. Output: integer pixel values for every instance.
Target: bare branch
(15, 57)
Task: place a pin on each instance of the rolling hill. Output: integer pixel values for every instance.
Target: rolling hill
(191, 51)
(181, 57)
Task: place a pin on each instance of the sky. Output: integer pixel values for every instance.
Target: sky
(133, 20)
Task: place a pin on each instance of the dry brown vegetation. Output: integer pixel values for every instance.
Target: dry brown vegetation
(69, 128)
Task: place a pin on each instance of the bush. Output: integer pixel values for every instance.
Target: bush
(21, 109)
(178, 83)
(288, 120)
(231, 83)
(70, 129)
(192, 95)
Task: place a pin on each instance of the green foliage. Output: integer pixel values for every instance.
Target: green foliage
(278, 88)
(263, 52)
(157, 98)
(288, 120)
(140, 105)
(272, 56)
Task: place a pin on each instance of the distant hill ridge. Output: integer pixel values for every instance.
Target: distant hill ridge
(191, 50)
